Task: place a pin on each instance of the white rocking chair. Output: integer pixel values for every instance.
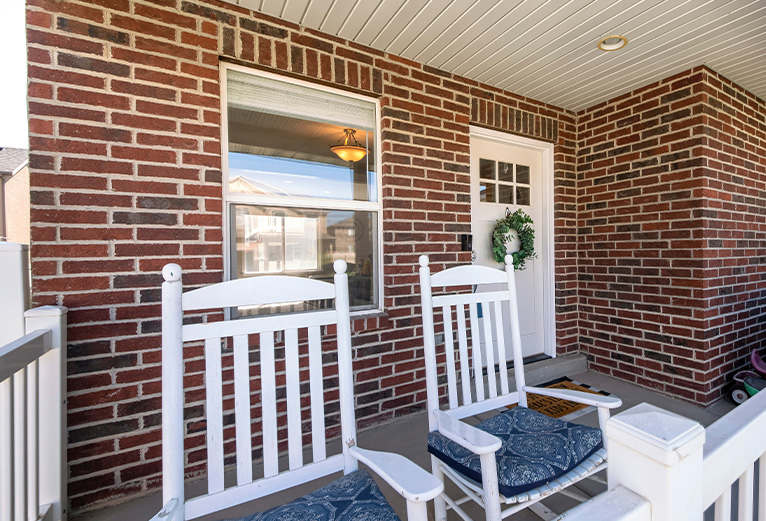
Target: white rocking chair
(516, 457)
(354, 495)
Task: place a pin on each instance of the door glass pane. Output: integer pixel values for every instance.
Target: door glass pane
(522, 174)
(505, 194)
(522, 196)
(505, 172)
(487, 192)
(487, 169)
(305, 242)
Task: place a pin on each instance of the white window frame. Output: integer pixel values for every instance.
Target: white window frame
(232, 198)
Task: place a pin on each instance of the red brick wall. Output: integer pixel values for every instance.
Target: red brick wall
(671, 233)
(735, 215)
(125, 175)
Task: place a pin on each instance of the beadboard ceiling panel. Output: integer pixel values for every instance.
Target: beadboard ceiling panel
(546, 50)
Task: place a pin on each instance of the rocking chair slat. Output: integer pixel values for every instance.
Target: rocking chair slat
(478, 366)
(489, 349)
(449, 351)
(269, 406)
(242, 410)
(504, 389)
(292, 368)
(316, 388)
(465, 364)
(467, 298)
(266, 324)
(214, 392)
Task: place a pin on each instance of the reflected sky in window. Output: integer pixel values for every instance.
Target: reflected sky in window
(269, 175)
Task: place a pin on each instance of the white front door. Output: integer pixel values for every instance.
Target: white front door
(508, 173)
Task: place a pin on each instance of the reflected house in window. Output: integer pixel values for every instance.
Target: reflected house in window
(294, 206)
(346, 235)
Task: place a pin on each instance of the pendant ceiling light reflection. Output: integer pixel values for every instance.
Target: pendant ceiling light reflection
(349, 152)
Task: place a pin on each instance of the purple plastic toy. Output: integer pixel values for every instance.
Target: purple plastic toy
(748, 383)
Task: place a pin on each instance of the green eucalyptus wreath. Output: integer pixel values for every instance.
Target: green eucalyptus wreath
(522, 223)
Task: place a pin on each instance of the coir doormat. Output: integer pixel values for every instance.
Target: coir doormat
(558, 408)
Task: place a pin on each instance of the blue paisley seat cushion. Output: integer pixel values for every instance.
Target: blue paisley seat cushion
(536, 449)
(354, 497)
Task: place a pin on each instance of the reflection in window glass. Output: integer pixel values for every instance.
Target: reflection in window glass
(505, 172)
(486, 169)
(522, 196)
(522, 174)
(505, 194)
(487, 193)
(297, 164)
(306, 242)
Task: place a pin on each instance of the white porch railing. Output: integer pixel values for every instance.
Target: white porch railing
(664, 467)
(32, 398)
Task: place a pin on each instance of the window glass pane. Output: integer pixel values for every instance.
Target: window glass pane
(281, 156)
(522, 196)
(487, 192)
(280, 136)
(306, 242)
(486, 169)
(505, 172)
(505, 194)
(522, 174)
(264, 175)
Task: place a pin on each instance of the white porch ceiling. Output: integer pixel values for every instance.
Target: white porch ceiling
(546, 50)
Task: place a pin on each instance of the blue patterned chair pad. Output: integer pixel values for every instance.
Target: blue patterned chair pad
(354, 497)
(536, 449)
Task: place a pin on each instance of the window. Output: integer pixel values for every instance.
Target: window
(294, 206)
(504, 183)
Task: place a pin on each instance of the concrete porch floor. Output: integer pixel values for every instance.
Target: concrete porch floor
(407, 437)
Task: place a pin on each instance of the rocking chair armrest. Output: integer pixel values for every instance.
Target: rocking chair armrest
(168, 512)
(465, 435)
(597, 400)
(411, 481)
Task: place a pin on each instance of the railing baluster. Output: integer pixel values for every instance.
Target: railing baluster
(33, 446)
(745, 504)
(20, 443)
(723, 506)
(6, 450)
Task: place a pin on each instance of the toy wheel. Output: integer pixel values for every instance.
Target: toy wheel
(738, 394)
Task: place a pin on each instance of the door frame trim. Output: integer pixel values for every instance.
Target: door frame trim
(547, 256)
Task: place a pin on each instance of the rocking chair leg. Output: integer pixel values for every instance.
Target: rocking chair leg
(417, 511)
(440, 507)
(491, 492)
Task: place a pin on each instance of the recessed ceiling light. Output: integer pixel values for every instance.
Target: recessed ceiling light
(612, 43)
